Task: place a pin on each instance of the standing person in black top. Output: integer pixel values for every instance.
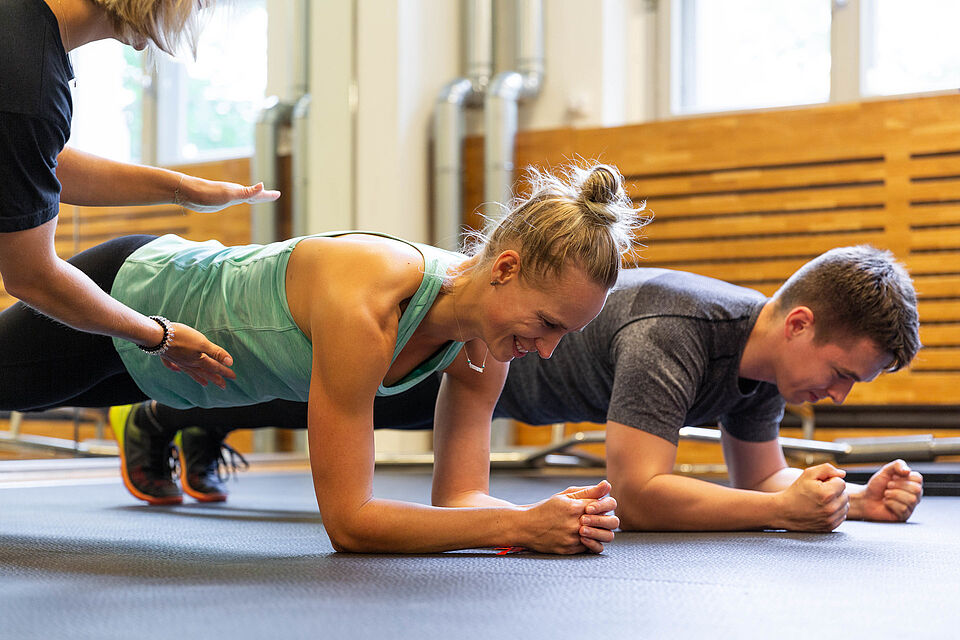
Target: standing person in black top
(37, 171)
(671, 349)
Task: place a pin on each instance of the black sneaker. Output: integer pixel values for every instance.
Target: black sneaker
(147, 461)
(204, 464)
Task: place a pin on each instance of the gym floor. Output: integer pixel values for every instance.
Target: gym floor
(79, 558)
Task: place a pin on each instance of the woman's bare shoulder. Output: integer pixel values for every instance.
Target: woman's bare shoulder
(374, 272)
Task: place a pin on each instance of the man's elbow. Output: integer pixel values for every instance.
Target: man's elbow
(638, 510)
(631, 516)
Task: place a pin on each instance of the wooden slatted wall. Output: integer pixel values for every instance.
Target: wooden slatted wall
(750, 197)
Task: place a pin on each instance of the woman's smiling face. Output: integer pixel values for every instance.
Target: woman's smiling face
(527, 315)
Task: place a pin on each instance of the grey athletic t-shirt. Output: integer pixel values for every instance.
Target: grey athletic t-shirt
(664, 353)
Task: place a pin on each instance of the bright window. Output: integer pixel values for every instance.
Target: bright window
(108, 100)
(909, 47)
(197, 110)
(207, 108)
(741, 54)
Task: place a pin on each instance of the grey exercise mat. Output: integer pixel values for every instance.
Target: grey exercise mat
(90, 562)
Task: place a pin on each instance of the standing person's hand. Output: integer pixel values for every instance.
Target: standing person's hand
(816, 501)
(209, 196)
(194, 355)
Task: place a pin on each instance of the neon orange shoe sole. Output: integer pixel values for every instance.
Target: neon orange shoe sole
(199, 496)
(119, 418)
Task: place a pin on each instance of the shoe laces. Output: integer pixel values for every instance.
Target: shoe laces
(162, 467)
(228, 462)
(173, 460)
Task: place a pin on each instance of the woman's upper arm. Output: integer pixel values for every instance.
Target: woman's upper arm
(462, 428)
(343, 383)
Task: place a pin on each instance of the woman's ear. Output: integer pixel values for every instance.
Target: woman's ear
(505, 267)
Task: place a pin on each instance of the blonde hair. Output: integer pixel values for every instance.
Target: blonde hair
(583, 215)
(167, 24)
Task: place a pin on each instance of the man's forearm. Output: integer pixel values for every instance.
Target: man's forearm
(779, 480)
(670, 502)
(89, 180)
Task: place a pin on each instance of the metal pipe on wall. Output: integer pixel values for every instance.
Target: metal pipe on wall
(501, 105)
(500, 116)
(264, 167)
(277, 116)
(300, 167)
(449, 126)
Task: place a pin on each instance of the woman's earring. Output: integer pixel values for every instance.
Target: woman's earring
(494, 283)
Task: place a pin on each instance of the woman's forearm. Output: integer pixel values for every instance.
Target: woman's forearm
(89, 180)
(72, 298)
(389, 526)
(470, 499)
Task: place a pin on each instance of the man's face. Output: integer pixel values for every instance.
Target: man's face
(810, 371)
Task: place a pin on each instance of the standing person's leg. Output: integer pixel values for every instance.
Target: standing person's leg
(45, 364)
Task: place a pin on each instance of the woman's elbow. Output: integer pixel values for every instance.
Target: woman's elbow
(346, 539)
(21, 288)
(29, 283)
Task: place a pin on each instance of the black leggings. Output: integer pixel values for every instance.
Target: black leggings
(410, 410)
(45, 364)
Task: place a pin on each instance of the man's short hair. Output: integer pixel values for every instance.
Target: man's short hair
(858, 292)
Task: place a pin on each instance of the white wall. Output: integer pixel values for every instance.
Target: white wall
(407, 50)
(376, 67)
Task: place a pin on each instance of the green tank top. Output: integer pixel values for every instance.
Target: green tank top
(236, 296)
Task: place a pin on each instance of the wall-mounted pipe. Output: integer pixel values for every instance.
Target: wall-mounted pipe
(449, 126)
(299, 167)
(276, 116)
(501, 105)
(264, 167)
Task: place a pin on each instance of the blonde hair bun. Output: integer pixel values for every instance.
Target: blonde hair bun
(580, 213)
(602, 185)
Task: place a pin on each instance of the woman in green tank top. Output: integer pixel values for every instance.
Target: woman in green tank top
(336, 319)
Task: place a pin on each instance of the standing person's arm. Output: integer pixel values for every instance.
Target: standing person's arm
(34, 273)
(89, 180)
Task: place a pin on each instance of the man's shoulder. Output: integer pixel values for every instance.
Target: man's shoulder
(653, 293)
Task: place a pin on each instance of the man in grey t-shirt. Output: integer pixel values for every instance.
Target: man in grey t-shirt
(664, 353)
(672, 349)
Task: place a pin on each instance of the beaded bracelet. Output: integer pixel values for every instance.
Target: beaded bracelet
(168, 332)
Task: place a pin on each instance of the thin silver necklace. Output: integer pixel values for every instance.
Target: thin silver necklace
(483, 365)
